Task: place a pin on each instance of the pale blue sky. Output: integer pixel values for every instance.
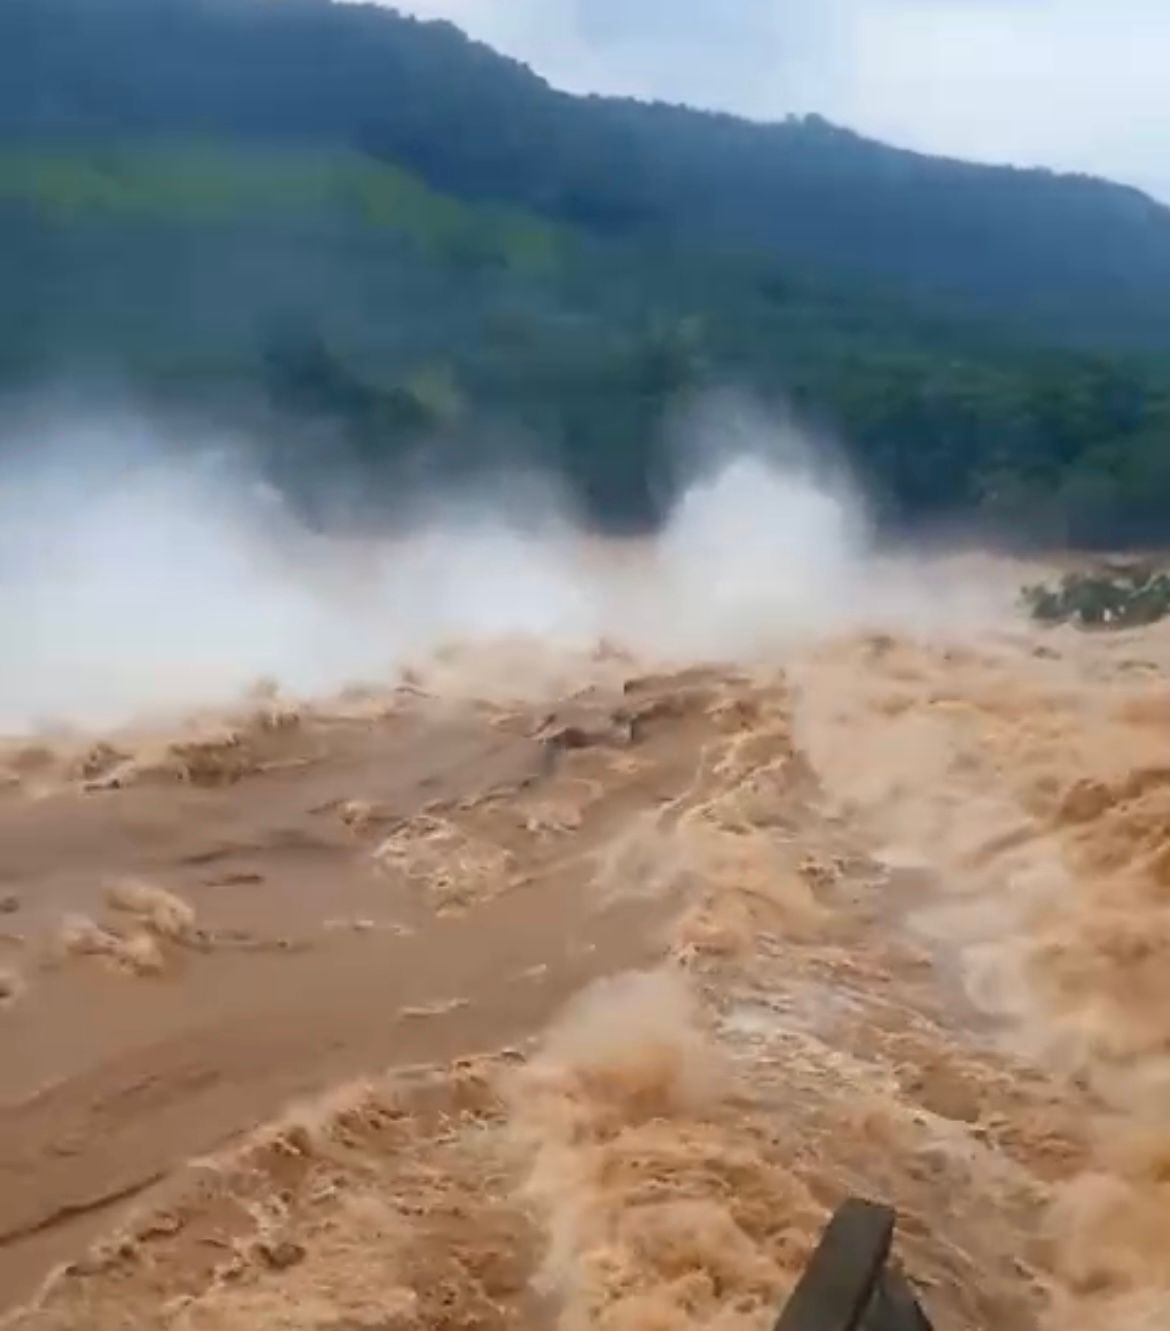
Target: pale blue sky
(1072, 84)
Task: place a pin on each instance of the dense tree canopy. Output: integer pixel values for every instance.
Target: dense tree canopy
(385, 247)
(1073, 256)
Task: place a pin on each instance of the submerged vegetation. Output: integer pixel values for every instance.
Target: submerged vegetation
(1117, 595)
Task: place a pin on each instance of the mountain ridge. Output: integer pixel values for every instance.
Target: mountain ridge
(1071, 257)
(440, 262)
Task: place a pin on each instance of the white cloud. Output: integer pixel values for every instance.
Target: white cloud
(1072, 84)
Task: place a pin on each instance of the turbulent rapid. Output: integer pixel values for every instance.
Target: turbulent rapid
(569, 974)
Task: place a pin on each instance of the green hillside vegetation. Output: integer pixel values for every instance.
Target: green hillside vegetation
(1067, 257)
(208, 184)
(381, 247)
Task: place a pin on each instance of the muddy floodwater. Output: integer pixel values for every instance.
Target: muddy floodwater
(424, 1006)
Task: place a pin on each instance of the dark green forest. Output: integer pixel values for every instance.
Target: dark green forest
(377, 246)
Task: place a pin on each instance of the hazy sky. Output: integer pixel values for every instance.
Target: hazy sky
(1073, 84)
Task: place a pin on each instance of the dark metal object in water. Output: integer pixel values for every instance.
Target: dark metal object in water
(850, 1283)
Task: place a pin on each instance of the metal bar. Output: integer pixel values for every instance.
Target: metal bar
(842, 1277)
(894, 1306)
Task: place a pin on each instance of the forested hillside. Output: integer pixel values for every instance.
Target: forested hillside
(1078, 257)
(403, 246)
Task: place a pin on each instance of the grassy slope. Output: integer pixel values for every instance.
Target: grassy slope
(204, 183)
